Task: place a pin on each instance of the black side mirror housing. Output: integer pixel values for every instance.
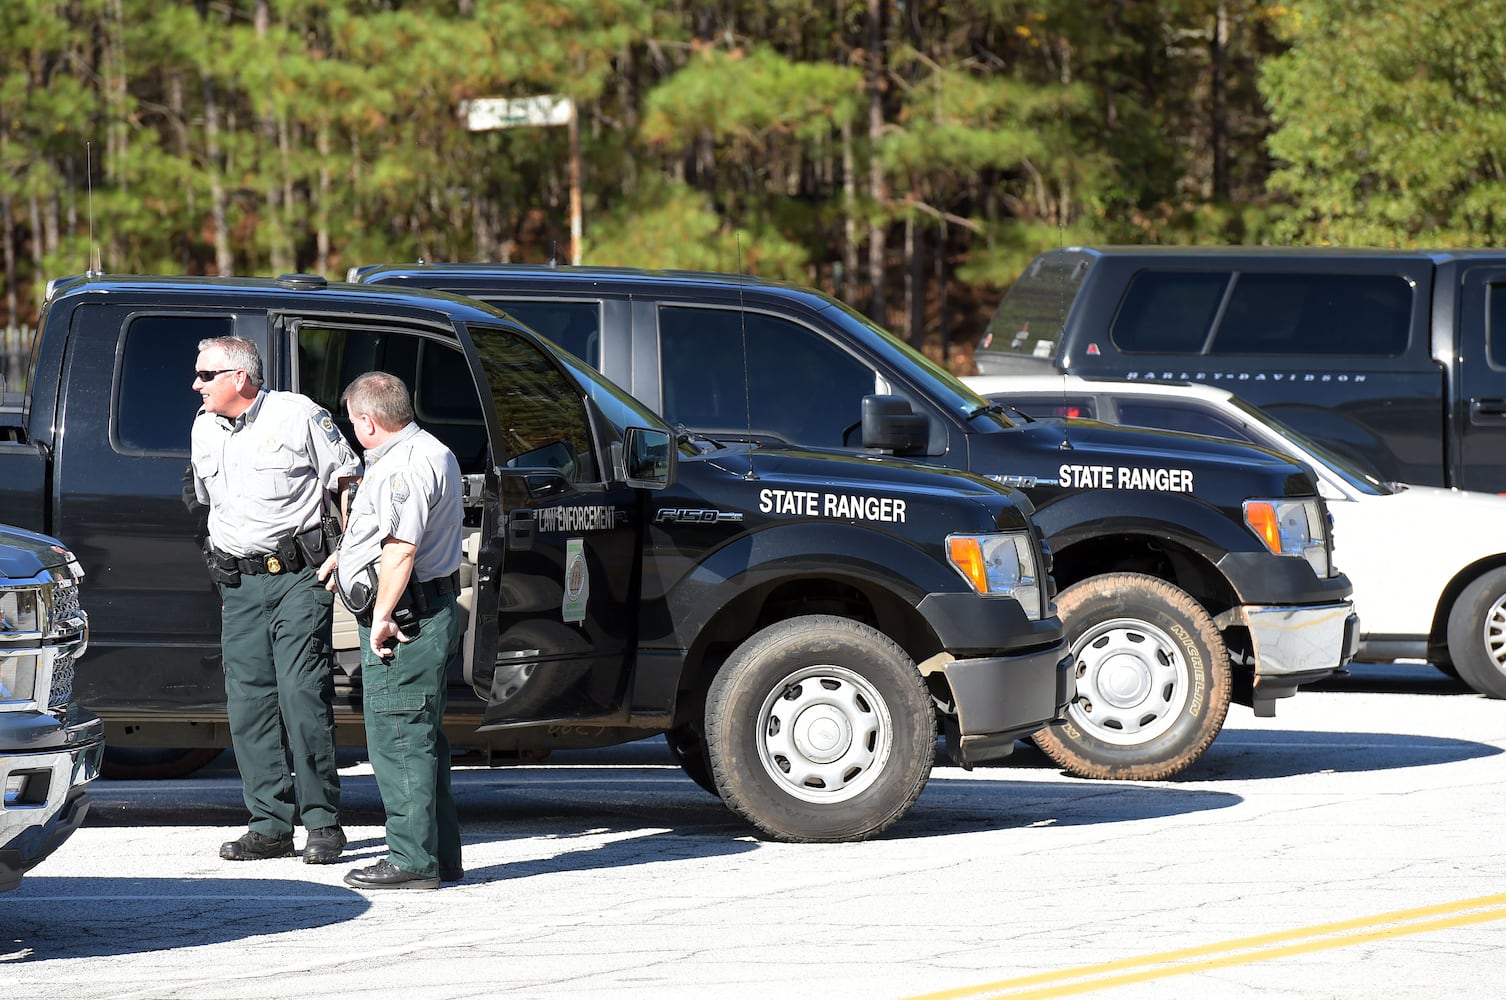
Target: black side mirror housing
(890, 425)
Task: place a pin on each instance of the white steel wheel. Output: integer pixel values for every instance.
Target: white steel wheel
(1132, 682)
(819, 729)
(824, 734)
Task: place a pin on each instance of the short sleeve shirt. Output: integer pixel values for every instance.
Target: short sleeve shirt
(412, 493)
(264, 474)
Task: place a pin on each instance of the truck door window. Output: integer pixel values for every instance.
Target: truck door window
(799, 386)
(445, 400)
(1168, 312)
(542, 414)
(154, 401)
(1368, 315)
(1495, 325)
(575, 326)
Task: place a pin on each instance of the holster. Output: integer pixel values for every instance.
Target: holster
(312, 545)
(222, 568)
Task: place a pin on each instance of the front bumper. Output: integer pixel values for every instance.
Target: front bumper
(1295, 645)
(995, 700)
(48, 802)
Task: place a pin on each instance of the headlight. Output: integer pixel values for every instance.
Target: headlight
(22, 610)
(999, 565)
(18, 680)
(1291, 528)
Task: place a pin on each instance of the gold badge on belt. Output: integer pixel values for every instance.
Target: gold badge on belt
(274, 565)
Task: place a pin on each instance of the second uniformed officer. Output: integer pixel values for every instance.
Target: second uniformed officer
(264, 461)
(398, 570)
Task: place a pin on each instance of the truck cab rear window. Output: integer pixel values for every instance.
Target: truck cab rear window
(1250, 313)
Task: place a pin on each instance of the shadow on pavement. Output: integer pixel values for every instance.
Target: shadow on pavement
(51, 918)
(1279, 753)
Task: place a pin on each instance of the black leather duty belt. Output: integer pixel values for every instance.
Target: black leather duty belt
(271, 563)
(441, 586)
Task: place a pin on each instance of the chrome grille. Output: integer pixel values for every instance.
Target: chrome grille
(62, 682)
(65, 601)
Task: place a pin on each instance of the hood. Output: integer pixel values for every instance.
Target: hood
(925, 488)
(1046, 446)
(25, 554)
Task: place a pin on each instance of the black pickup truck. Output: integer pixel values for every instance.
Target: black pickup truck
(1394, 359)
(1191, 570)
(49, 747)
(796, 622)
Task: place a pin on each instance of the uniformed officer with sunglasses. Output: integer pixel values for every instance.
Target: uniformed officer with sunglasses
(398, 571)
(266, 463)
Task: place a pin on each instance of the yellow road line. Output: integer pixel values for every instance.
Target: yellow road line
(1239, 951)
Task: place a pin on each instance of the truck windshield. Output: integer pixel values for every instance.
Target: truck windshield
(1349, 470)
(941, 385)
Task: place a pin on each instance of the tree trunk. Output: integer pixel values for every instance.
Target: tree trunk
(1218, 98)
(849, 217)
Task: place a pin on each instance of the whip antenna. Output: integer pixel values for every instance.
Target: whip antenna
(94, 267)
(742, 314)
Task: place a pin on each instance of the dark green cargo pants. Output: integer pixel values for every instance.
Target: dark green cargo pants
(404, 702)
(280, 689)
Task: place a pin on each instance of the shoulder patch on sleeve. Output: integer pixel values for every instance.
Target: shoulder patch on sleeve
(327, 425)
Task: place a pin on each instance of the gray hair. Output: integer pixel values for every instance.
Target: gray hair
(384, 396)
(240, 354)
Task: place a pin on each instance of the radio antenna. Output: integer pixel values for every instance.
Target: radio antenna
(742, 314)
(94, 268)
(1061, 325)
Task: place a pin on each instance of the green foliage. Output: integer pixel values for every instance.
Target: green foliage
(674, 226)
(1391, 121)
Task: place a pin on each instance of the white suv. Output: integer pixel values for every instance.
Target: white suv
(1428, 564)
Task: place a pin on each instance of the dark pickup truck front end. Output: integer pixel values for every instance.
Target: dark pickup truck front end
(49, 749)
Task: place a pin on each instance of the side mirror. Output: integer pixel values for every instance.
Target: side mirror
(645, 458)
(890, 425)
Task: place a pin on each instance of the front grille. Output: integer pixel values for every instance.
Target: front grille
(62, 683)
(65, 602)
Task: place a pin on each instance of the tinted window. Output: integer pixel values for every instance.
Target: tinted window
(1354, 314)
(542, 414)
(798, 385)
(1495, 325)
(154, 400)
(1185, 417)
(575, 326)
(445, 401)
(1031, 314)
(1168, 312)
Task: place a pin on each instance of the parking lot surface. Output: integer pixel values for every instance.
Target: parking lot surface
(1349, 847)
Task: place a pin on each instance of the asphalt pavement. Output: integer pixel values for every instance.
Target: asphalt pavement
(1350, 847)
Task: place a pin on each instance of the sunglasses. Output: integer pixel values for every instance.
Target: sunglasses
(204, 376)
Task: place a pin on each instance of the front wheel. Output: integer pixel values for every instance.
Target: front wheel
(820, 729)
(1477, 634)
(1153, 680)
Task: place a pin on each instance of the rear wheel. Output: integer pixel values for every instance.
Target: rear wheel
(820, 728)
(1153, 680)
(1477, 634)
